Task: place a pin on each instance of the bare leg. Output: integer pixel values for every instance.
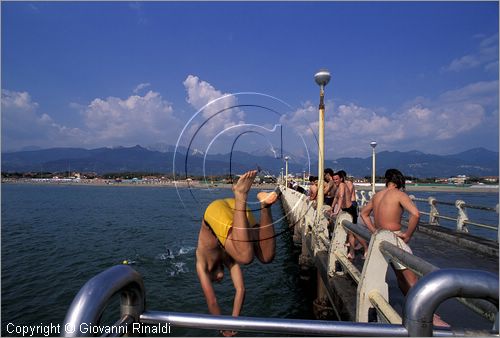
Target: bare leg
(364, 245)
(437, 321)
(238, 243)
(265, 244)
(406, 279)
(352, 243)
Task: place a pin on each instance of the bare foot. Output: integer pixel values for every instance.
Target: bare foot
(267, 198)
(437, 321)
(244, 184)
(350, 256)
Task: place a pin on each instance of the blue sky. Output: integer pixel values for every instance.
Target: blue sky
(412, 76)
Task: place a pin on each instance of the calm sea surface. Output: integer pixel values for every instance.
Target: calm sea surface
(55, 238)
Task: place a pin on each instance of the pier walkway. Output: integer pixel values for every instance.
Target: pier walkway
(341, 285)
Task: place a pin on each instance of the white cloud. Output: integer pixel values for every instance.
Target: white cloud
(422, 124)
(23, 126)
(486, 56)
(140, 87)
(134, 120)
(214, 106)
(112, 121)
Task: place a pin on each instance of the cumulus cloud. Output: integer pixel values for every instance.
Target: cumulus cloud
(112, 121)
(421, 124)
(217, 109)
(486, 56)
(133, 120)
(23, 125)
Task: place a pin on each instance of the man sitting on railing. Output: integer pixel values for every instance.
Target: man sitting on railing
(388, 206)
(229, 236)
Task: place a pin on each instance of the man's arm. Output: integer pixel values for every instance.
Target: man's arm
(339, 198)
(414, 216)
(365, 216)
(326, 187)
(239, 296)
(208, 290)
(239, 286)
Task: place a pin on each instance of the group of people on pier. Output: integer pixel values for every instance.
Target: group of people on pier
(230, 236)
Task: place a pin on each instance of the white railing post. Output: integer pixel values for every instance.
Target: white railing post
(373, 274)
(462, 216)
(299, 226)
(321, 234)
(433, 213)
(363, 199)
(310, 216)
(370, 194)
(498, 232)
(337, 245)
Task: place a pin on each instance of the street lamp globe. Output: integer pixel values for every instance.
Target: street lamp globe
(322, 77)
(373, 144)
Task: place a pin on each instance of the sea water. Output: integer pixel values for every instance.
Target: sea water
(56, 237)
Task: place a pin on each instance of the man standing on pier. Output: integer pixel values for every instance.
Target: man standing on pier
(329, 187)
(388, 206)
(230, 236)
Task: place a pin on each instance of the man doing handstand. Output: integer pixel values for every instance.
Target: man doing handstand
(230, 236)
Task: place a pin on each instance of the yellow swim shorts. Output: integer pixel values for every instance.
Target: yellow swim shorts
(219, 217)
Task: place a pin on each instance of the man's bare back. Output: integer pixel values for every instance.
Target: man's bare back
(388, 206)
(387, 209)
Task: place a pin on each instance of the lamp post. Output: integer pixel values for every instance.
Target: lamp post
(281, 175)
(286, 170)
(373, 144)
(322, 77)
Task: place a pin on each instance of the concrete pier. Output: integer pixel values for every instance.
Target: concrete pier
(366, 290)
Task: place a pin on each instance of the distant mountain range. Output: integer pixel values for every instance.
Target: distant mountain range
(159, 159)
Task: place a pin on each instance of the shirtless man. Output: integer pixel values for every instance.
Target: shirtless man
(342, 198)
(313, 187)
(230, 236)
(329, 187)
(388, 206)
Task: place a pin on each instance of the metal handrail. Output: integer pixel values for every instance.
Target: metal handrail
(274, 325)
(462, 218)
(425, 296)
(92, 299)
(469, 206)
(98, 290)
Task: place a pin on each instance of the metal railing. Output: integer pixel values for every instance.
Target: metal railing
(462, 217)
(91, 301)
(95, 295)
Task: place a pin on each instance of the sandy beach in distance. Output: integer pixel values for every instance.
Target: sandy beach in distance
(264, 186)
